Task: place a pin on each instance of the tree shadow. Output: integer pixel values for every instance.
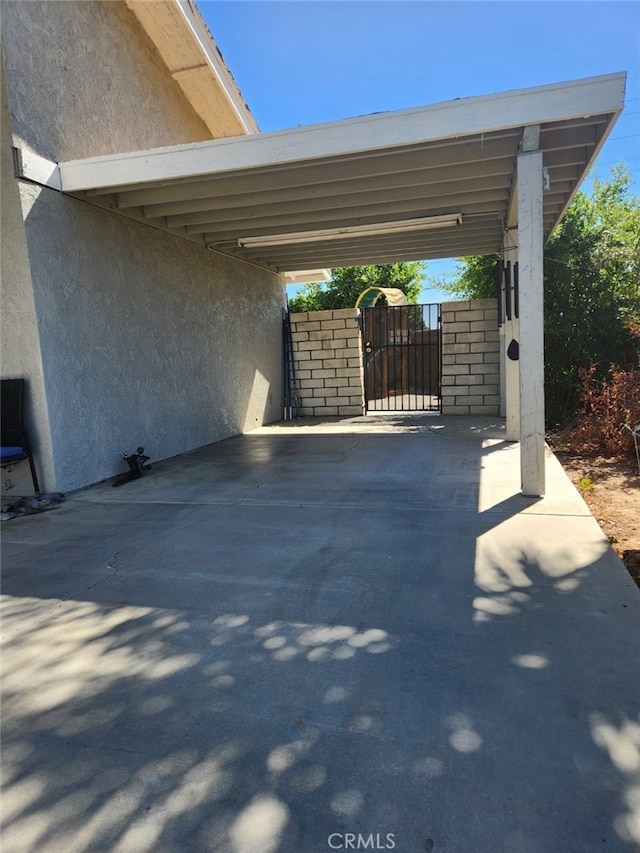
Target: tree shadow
(236, 672)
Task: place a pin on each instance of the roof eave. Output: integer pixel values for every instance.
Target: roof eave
(193, 59)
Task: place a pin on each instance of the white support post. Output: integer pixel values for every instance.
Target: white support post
(511, 332)
(530, 255)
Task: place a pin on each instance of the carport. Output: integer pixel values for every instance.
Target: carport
(471, 176)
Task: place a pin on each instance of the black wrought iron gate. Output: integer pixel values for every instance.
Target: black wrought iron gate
(402, 358)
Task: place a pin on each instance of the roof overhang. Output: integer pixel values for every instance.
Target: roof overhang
(306, 276)
(193, 59)
(337, 194)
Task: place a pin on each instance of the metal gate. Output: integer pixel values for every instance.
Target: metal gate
(402, 358)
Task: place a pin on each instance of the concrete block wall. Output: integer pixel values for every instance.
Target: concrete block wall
(328, 361)
(470, 358)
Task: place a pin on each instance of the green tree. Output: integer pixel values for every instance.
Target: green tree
(475, 278)
(591, 288)
(347, 283)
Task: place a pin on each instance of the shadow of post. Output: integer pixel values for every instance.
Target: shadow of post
(299, 636)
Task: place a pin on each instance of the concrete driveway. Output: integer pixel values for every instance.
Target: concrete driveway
(351, 635)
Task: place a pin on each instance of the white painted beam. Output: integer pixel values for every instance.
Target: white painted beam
(306, 276)
(339, 218)
(531, 138)
(33, 167)
(336, 190)
(440, 157)
(193, 21)
(530, 256)
(440, 121)
(371, 203)
(485, 225)
(185, 45)
(467, 180)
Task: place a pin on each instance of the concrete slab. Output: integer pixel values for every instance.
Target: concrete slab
(343, 635)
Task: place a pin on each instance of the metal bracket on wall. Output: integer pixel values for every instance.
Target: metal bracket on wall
(33, 167)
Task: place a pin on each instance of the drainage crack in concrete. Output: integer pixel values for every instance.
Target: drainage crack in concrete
(110, 565)
(70, 596)
(109, 748)
(353, 447)
(253, 491)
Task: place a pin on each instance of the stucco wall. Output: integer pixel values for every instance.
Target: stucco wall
(146, 338)
(128, 335)
(86, 80)
(18, 325)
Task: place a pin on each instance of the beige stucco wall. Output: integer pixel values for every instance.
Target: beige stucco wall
(146, 338)
(86, 80)
(18, 326)
(128, 335)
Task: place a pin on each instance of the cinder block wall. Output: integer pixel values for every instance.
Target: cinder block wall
(470, 358)
(329, 376)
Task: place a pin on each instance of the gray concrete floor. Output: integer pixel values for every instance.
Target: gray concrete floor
(316, 632)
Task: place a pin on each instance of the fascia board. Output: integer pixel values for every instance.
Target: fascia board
(203, 39)
(586, 169)
(450, 119)
(190, 53)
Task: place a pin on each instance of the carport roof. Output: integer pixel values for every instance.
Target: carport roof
(303, 198)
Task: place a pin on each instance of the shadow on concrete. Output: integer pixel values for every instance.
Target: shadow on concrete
(293, 639)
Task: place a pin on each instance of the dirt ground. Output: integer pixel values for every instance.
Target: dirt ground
(612, 492)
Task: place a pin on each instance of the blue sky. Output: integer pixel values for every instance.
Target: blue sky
(300, 62)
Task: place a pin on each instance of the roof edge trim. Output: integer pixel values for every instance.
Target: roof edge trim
(160, 19)
(203, 38)
(449, 119)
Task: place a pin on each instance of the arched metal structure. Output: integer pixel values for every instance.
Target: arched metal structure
(369, 297)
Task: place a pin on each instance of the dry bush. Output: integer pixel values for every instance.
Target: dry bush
(606, 405)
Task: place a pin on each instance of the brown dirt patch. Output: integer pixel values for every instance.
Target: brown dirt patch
(611, 490)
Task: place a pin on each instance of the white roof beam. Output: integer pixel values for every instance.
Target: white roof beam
(344, 218)
(386, 255)
(370, 166)
(364, 166)
(33, 167)
(387, 130)
(482, 232)
(412, 236)
(183, 41)
(228, 208)
(193, 203)
(467, 191)
(443, 181)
